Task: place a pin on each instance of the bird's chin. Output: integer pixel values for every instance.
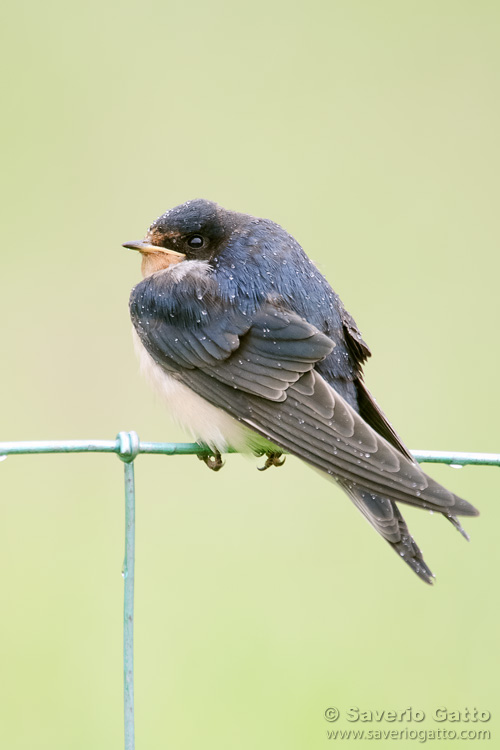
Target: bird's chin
(153, 262)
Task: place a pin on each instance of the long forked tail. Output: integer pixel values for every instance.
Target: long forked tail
(387, 519)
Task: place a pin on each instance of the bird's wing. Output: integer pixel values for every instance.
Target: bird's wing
(316, 424)
(312, 421)
(262, 357)
(260, 368)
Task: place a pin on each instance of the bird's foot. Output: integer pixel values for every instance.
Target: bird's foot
(273, 459)
(213, 460)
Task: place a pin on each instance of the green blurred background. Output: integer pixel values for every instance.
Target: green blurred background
(370, 131)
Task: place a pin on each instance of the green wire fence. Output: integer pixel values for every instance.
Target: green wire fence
(127, 447)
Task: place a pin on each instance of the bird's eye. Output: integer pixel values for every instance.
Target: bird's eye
(196, 241)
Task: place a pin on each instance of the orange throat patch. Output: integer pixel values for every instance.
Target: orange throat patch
(153, 262)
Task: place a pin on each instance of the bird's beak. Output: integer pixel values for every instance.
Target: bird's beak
(146, 247)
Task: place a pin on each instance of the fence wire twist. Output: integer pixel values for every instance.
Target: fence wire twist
(127, 446)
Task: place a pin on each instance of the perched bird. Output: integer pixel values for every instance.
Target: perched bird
(253, 350)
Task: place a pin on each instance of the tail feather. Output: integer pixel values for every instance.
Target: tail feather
(456, 523)
(386, 518)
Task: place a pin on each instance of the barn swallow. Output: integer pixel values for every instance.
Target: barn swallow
(253, 350)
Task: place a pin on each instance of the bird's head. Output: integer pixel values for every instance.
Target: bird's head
(194, 230)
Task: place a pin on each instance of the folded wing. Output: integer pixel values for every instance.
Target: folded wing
(260, 368)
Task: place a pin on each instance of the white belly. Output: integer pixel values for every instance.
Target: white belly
(205, 422)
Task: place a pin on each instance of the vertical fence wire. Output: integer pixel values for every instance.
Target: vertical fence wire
(127, 446)
(128, 607)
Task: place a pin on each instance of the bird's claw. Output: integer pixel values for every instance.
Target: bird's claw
(213, 460)
(273, 459)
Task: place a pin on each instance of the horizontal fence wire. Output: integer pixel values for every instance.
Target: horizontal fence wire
(127, 447)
